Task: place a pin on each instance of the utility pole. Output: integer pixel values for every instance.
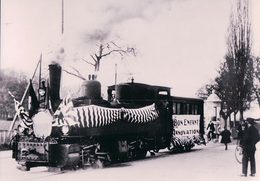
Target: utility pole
(115, 74)
(115, 80)
(62, 16)
(1, 33)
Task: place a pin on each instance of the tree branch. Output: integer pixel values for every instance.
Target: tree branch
(78, 76)
(119, 51)
(88, 61)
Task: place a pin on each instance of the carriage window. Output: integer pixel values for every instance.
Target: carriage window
(192, 109)
(188, 108)
(196, 109)
(184, 108)
(178, 108)
(174, 109)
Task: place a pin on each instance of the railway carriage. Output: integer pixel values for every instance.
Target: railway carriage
(90, 131)
(188, 123)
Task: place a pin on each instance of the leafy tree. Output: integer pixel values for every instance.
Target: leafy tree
(224, 88)
(256, 87)
(235, 83)
(205, 91)
(15, 83)
(239, 75)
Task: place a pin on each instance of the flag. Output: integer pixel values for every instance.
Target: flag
(33, 103)
(64, 115)
(26, 122)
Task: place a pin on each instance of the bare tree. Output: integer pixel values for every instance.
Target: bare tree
(105, 50)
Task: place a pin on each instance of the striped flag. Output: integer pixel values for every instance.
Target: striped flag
(26, 122)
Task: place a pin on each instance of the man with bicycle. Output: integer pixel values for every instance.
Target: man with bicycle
(249, 140)
(240, 132)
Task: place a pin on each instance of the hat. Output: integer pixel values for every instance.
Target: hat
(250, 120)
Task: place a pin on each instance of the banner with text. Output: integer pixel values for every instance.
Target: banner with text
(186, 125)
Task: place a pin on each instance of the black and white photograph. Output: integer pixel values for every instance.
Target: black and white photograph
(111, 90)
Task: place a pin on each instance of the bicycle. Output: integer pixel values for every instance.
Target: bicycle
(239, 153)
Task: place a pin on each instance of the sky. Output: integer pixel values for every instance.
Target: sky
(179, 43)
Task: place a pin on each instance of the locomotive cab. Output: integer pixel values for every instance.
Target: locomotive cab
(137, 93)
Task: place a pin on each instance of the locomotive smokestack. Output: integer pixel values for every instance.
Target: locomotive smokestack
(55, 77)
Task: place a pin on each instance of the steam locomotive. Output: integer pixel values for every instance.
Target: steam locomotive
(85, 131)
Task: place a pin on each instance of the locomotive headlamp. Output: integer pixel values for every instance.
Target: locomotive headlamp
(42, 123)
(65, 129)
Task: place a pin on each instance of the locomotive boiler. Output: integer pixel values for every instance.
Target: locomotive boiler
(91, 131)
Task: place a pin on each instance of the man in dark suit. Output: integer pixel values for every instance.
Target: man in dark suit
(250, 138)
(211, 132)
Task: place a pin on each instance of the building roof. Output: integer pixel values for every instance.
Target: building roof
(213, 97)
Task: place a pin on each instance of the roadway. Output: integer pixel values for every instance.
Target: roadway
(209, 163)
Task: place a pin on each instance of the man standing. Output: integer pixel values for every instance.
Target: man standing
(225, 134)
(250, 138)
(211, 132)
(240, 132)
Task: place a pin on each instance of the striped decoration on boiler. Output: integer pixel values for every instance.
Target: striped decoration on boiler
(97, 116)
(140, 115)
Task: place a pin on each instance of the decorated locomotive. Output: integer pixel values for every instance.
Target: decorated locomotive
(135, 119)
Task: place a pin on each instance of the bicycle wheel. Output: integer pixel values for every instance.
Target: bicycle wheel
(238, 154)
